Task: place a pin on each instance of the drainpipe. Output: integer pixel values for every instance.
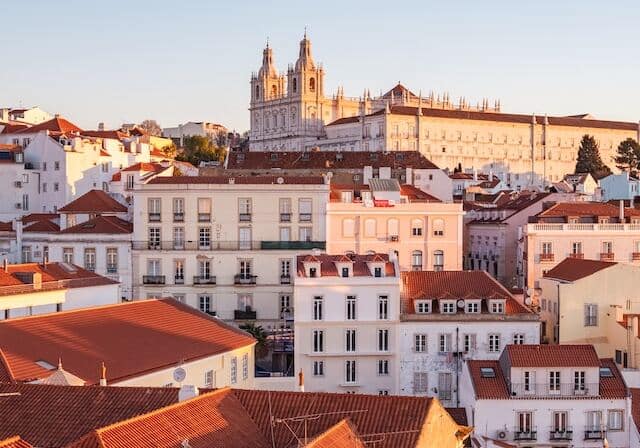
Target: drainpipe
(558, 286)
(457, 367)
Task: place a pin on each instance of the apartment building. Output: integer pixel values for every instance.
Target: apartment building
(21, 185)
(591, 230)
(384, 216)
(346, 313)
(620, 186)
(226, 245)
(450, 317)
(547, 395)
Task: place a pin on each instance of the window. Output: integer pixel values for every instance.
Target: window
(392, 229)
(529, 381)
(350, 371)
(245, 269)
(178, 272)
(154, 237)
(351, 307)
(383, 392)
(525, 422)
(25, 201)
(370, 228)
(285, 306)
(318, 304)
(56, 166)
(444, 343)
(204, 238)
(416, 260)
(44, 187)
(416, 227)
(208, 378)
(234, 370)
(130, 182)
(591, 315)
(472, 307)
(112, 260)
(518, 338)
(204, 209)
(487, 372)
(383, 367)
(245, 366)
(304, 209)
(554, 381)
(494, 343)
(447, 307)
(438, 260)
(305, 234)
(576, 248)
(178, 237)
(422, 306)
(105, 187)
(90, 259)
(383, 340)
(579, 378)
(285, 233)
(67, 255)
(420, 382)
(547, 248)
(318, 341)
(178, 209)
(468, 343)
(348, 228)
(318, 368)
(438, 227)
(204, 269)
(204, 303)
(377, 272)
(607, 247)
(345, 272)
(497, 307)
(26, 254)
(444, 386)
(56, 186)
(312, 85)
(244, 238)
(44, 166)
(420, 343)
(383, 307)
(594, 421)
(244, 209)
(285, 271)
(614, 420)
(350, 340)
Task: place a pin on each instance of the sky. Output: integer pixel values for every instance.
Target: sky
(125, 61)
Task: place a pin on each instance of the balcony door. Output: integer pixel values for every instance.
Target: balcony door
(525, 422)
(560, 421)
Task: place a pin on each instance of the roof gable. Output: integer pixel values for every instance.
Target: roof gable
(573, 269)
(94, 201)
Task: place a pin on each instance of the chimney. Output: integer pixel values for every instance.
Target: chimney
(103, 375)
(475, 175)
(101, 126)
(301, 381)
(5, 265)
(621, 210)
(187, 392)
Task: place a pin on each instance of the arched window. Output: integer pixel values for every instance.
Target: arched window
(438, 227)
(295, 85)
(438, 260)
(274, 90)
(257, 92)
(312, 84)
(416, 260)
(370, 228)
(416, 227)
(348, 228)
(392, 229)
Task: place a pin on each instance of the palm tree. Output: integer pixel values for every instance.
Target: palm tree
(259, 335)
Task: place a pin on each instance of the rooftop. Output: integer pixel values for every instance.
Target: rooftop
(592, 210)
(102, 225)
(94, 202)
(247, 180)
(55, 125)
(14, 442)
(572, 269)
(340, 435)
(360, 263)
(544, 355)
(167, 333)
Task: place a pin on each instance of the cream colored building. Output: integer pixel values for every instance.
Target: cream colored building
(226, 245)
(384, 217)
(347, 310)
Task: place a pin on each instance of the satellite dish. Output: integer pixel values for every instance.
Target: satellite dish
(280, 180)
(527, 300)
(460, 303)
(179, 375)
(530, 292)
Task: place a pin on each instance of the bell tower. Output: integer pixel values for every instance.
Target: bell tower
(266, 84)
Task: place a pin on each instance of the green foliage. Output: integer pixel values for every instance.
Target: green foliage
(260, 335)
(628, 155)
(589, 160)
(200, 149)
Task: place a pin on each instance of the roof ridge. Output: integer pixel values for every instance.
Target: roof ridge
(5, 363)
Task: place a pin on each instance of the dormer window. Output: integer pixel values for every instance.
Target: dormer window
(313, 272)
(377, 272)
(472, 306)
(603, 220)
(423, 306)
(447, 307)
(497, 306)
(573, 220)
(345, 272)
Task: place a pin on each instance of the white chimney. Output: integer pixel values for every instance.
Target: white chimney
(475, 175)
(103, 375)
(301, 381)
(621, 210)
(187, 392)
(367, 173)
(101, 126)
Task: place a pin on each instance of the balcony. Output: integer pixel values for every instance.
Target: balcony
(178, 280)
(568, 390)
(204, 280)
(112, 268)
(154, 217)
(285, 279)
(304, 217)
(558, 434)
(292, 245)
(582, 227)
(178, 216)
(593, 434)
(285, 217)
(244, 279)
(578, 255)
(635, 256)
(153, 279)
(546, 257)
(393, 238)
(525, 434)
(246, 314)
(286, 314)
(607, 256)
(244, 217)
(204, 217)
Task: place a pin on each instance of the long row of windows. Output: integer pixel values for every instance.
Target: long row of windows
(209, 375)
(317, 310)
(351, 369)
(393, 226)
(560, 421)
(468, 342)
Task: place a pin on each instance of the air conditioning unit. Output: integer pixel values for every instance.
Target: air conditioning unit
(502, 435)
(18, 184)
(18, 205)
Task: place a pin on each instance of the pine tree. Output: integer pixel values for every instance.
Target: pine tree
(628, 158)
(589, 160)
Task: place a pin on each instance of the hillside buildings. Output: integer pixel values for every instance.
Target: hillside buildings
(201, 128)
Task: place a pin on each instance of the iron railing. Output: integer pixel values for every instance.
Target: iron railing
(204, 280)
(153, 279)
(570, 390)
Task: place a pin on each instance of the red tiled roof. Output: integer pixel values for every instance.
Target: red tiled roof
(53, 416)
(6, 375)
(42, 226)
(145, 166)
(214, 419)
(635, 405)
(615, 386)
(166, 332)
(398, 91)
(488, 388)
(32, 217)
(6, 226)
(328, 160)
(585, 209)
(360, 267)
(340, 435)
(57, 124)
(114, 134)
(101, 224)
(94, 201)
(104, 153)
(572, 269)
(417, 195)
(459, 415)
(14, 442)
(10, 147)
(13, 128)
(543, 355)
(248, 180)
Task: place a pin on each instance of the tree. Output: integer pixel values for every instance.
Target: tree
(151, 127)
(628, 158)
(200, 149)
(169, 150)
(589, 160)
(260, 335)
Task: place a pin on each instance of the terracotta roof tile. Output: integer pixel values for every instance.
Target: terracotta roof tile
(42, 226)
(53, 416)
(103, 225)
(32, 217)
(585, 209)
(572, 269)
(57, 124)
(327, 160)
(215, 419)
(145, 166)
(173, 332)
(14, 442)
(635, 405)
(6, 375)
(615, 386)
(459, 415)
(488, 388)
(543, 355)
(340, 435)
(112, 134)
(248, 180)
(6, 226)
(94, 201)
(360, 266)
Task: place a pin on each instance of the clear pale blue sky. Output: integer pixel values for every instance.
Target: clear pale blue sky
(124, 61)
